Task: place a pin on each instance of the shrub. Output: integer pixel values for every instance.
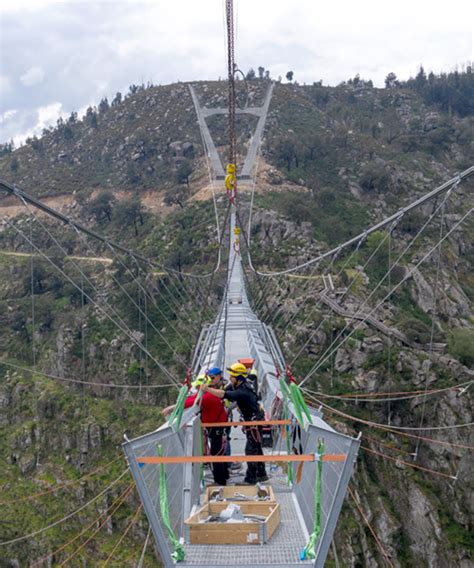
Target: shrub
(461, 346)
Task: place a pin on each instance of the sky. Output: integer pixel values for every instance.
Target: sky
(59, 56)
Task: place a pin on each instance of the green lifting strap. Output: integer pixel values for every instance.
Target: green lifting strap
(286, 395)
(178, 554)
(298, 396)
(177, 413)
(288, 448)
(310, 549)
(296, 405)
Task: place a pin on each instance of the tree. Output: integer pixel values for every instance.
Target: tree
(391, 81)
(286, 151)
(314, 144)
(91, 117)
(73, 118)
(129, 212)
(82, 195)
(420, 79)
(101, 206)
(117, 99)
(267, 75)
(176, 196)
(250, 74)
(183, 172)
(374, 178)
(7, 148)
(104, 105)
(68, 133)
(14, 164)
(261, 71)
(289, 76)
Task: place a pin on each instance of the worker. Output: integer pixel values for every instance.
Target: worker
(197, 383)
(248, 405)
(252, 377)
(212, 410)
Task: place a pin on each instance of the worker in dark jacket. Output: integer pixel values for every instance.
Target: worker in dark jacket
(248, 405)
(252, 376)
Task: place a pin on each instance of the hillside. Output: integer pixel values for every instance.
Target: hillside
(334, 160)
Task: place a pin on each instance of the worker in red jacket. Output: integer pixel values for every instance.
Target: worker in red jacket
(212, 410)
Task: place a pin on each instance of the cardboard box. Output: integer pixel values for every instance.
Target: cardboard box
(239, 494)
(254, 532)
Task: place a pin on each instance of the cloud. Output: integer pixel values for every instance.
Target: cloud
(7, 115)
(48, 114)
(92, 48)
(33, 76)
(18, 125)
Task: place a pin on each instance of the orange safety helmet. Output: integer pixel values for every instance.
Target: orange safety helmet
(248, 362)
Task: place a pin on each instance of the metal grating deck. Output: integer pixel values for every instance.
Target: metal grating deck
(283, 549)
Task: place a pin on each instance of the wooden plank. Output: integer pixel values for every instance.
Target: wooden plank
(220, 537)
(272, 522)
(228, 493)
(232, 533)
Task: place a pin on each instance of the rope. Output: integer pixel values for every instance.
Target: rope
(389, 349)
(392, 291)
(13, 190)
(209, 288)
(364, 303)
(124, 330)
(32, 297)
(67, 517)
(94, 384)
(142, 556)
(127, 294)
(115, 505)
(433, 319)
(427, 197)
(376, 538)
(177, 304)
(412, 394)
(81, 272)
(124, 534)
(349, 286)
(407, 435)
(399, 461)
(61, 485)
(349, 416)
(231, 79)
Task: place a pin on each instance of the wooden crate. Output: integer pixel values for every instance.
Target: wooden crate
(232, 492)
(197, 532)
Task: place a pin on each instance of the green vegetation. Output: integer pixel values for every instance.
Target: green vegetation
(72, 435)
(334, 218)
(347, 152)
(461, 345)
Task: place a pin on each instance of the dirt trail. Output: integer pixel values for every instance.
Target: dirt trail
(10, 206)
(268, 179)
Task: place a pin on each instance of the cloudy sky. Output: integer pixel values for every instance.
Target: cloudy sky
(57, 56)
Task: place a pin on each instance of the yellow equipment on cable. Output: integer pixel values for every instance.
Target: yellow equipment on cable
(231, 180)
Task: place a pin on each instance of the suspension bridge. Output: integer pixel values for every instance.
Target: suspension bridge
(310, 461)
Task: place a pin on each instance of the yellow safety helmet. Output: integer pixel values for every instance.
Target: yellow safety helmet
(199, 381)
(237, 369)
